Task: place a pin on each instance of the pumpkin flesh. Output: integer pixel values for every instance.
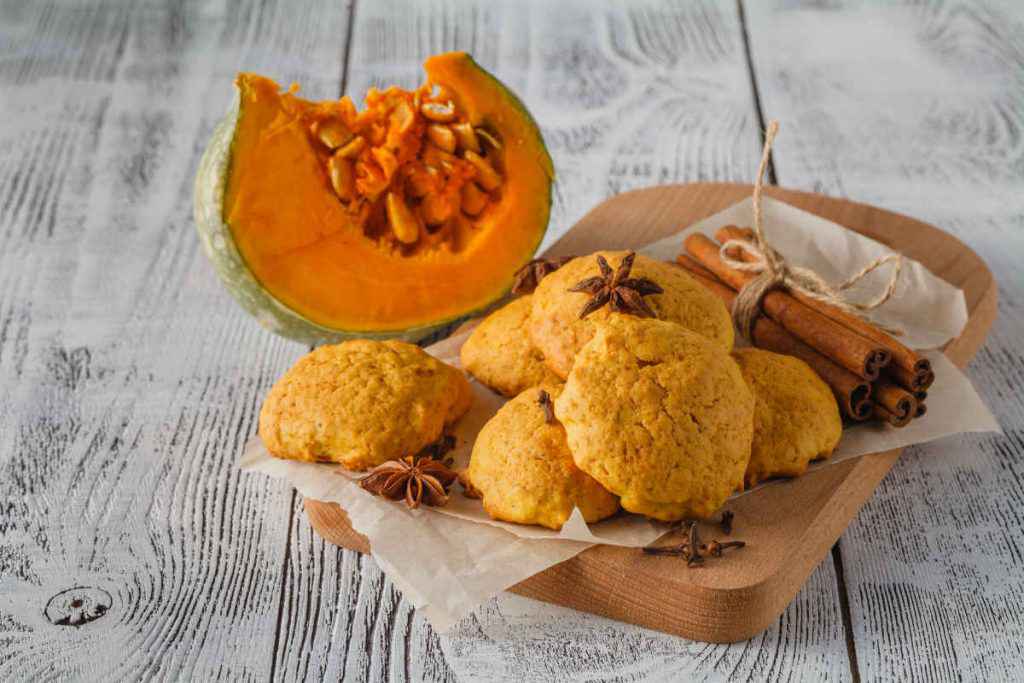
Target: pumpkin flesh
(346, 265)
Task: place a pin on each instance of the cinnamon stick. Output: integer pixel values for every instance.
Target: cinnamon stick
(882, 413)
(902, 356)
(921, 396)
(850, 350)
(909, 380)
(695, 268)
(852, 393)
(895, 399)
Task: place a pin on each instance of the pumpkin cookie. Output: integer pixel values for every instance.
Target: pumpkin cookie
(523, 471)
(660, 416)
(361, 403)
(499, 352)
(796, 418)
(557, 330)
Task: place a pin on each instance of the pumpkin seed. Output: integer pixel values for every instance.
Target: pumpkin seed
(486, 176)
(435, 157)
(442, 136)
(370, 180)
(473, 199)
(388, 162)
(466, 137)
(491, 139)
(343, 178)
(440, 113)
(352, 149)
(403, 116)
(332, 133)
(402, 219)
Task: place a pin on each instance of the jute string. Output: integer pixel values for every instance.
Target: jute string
(774, 272)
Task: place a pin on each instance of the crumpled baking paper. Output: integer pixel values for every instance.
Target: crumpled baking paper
(448, 560)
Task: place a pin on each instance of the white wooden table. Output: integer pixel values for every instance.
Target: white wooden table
(129, 380)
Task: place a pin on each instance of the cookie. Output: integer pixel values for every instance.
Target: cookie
(660, 416)
(522, 469)
(796, 417)
(558, 332)
(361, 403)
(499, 352)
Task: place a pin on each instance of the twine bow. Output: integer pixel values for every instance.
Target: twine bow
(773, 271)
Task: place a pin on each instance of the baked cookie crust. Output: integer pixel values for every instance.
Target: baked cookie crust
(659, 416)
(361, 403)
(796, 417)
(499, 352)
(524, 473)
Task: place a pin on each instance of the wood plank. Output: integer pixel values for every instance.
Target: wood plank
(627, 96)
(517, 639)
(918, 109)
(128, 378)
(344, 620)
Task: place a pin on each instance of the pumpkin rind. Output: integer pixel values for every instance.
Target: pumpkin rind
(219, 241)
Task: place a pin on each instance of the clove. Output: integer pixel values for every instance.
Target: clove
(726, 522)
(691, 549)
(715, 548)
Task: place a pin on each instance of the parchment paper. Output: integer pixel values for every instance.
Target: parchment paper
(447, 560)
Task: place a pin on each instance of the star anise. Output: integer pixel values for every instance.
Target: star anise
(414, 478)
(623, 294)
(529, 276)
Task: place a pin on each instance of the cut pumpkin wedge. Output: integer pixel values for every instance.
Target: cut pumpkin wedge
(394, 221)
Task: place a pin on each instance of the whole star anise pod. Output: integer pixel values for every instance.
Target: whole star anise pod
(529, 276)
(416, 479)
(622, 293)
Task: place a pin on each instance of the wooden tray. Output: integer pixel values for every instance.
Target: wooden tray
(789, 526)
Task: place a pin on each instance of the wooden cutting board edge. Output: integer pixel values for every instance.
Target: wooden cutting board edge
(741, 594)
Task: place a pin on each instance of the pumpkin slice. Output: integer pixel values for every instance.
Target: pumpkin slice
(327, 223)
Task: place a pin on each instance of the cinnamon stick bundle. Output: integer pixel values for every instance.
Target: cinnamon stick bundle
(847, 348)
(910, 370)
(852, 393)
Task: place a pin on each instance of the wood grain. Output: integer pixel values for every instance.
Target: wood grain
(128, 379)
(918, 108)
(514, 638)
(343, 619)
